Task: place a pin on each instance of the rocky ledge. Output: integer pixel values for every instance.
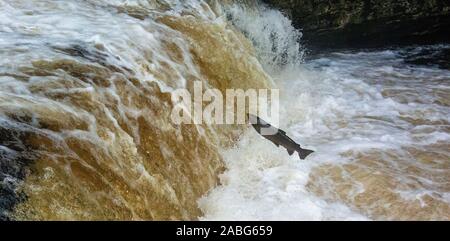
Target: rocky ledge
(368, 23)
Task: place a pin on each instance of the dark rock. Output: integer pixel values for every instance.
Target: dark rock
(368, 23)
(14, 160)
(429, 56)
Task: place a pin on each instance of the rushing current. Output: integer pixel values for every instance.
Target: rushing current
(85, 131)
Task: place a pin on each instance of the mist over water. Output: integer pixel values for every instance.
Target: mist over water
(85, 101)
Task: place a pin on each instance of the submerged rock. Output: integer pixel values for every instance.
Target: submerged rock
(439, 57)
(368, 23)
(13, 166)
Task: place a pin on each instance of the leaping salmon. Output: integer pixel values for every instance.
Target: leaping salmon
(278, 137)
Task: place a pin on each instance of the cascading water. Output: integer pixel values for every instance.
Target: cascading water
(85, 107)
(85, 131)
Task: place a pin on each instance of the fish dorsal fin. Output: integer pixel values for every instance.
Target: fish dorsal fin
(282, 132)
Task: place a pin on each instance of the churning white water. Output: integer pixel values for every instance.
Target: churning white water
(334, 105)
(345, 106)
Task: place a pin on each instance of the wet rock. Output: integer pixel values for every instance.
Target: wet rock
(13, 165)
(368, 23)
(439, 57)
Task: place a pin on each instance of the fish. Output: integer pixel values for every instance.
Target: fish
(277, 137)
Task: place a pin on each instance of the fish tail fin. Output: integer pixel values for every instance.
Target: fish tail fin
(303, 153)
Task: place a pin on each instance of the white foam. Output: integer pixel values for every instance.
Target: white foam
(332, 105)
(264, 183)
